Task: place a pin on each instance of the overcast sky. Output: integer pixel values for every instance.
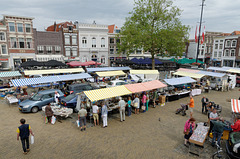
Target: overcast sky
(219, 15)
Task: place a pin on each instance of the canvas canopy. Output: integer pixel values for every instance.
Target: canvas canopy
(99, 69)
(180, 80)
(189, 74)
(110, 73)
(234, 70)
(235, 104)
(10, 74)
(137, 72)
(53, 71)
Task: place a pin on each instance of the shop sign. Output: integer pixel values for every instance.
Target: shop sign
(3, 59)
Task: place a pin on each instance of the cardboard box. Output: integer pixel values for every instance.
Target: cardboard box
(162, 99)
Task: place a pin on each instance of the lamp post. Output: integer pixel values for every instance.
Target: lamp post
(199, 34)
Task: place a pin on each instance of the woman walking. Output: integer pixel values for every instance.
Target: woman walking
(104, 114)
(129, 103)
(144, 100)
(188, 130)
(147, 101)
(136, 103)
(48, 113)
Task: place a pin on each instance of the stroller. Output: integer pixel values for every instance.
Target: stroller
(182, 110)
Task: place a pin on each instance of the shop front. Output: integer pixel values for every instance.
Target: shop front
(4, 64)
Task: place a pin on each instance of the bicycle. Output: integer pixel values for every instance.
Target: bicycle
(217, 154)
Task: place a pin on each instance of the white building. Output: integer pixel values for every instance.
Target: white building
(93, 43)
(192, 50)
(218, 47)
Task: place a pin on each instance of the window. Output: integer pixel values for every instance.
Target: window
(220, 54)
(74, 51)
(74, 40)
(139, 51)
(49, 49)
(70, 28)
(117, 41)
(4, 50)
(68, 51)
(215, 53)
(40, 49)
(93, 42)
(103, 60)
(57, 49)
(19, 27)
(2, 36)
(202, 52)
(234, 43)
(11, 26)
(228, 43)
(111, 49)
(117, 31)
(216, 41)
(221, 41)
(67, 39)
(29, 43)
(226, 52)
(21, 42)
(84, 42)
(111, 40)
(232, 53)
(216, 46)
(84, 59)
(220, 46)
(28, 28)
(202, 46)
(103, 42)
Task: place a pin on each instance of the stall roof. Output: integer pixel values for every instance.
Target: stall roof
(180, 80)
(138, 72)
(99, 69)
(218, 69)
(140, 87)
(48, 79)
(234, 70)
(213, 74)
(53, 71)
(110, 73)
(235, 104)
(10, 74)
(189, 74)
(104, 93)
(188, 70)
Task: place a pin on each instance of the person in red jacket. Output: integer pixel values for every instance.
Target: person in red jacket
(236, 126)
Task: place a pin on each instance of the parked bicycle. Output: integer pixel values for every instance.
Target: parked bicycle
(217, 154)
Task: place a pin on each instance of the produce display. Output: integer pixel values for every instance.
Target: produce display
(60, 111)
(199, 134)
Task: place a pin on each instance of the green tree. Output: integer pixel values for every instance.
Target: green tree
(155, 27)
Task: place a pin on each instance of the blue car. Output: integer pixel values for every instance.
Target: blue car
(38, 100)
(70, 101)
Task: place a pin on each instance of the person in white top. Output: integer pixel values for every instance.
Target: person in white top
(122, 105)
(56, 97)
(95, 113)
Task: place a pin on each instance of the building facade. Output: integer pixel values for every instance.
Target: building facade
(93, 43)
(218, 48)
(48, 45)
(70, 39)
(20, 40)
(4, 56)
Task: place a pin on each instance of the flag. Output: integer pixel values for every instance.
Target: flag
(203, 35)
(196, 37)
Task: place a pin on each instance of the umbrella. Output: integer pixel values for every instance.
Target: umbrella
(54, 63)
(90, 63)
(74, 63)
(32, 64)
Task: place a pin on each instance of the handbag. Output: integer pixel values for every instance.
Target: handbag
(143, 107)
(46, 120)
(135, 105)
(186, 132)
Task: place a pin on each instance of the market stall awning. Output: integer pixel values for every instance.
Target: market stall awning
(10, 74)
(52, 71)
(105, 93)
(180, 80)
(212, 74)
(189, 74)
(218, 69)
(188, 70)
(138, 72)
(135, 88)
(99, 69)
(235, 105)
(110, 73)
(234, 70)
(73, 76)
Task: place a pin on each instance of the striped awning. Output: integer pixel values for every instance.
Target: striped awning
(53, 71)
(105, 93)
(146, 72)
(180, 80)
(99, 69)
(10, 74)
(235, 105)
(74, 76)
(189, 74)
(110, 73)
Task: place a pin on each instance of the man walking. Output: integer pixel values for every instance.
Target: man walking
(82, 117)
(95, 114)
(24, 131)
(204, 104)
(122, 105)
(191, 106)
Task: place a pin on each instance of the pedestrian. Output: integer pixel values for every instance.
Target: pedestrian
(56, 97)
(218, 127)
(49, 113)
(236, 126)
(95, 113)
(191, 106)
(188, 130)
(136, 104)
(147, 101)
(121, 106)
(155, 97)
(24, 131)
(129, 103)
(82, 117)
(144, 100)
(204, 104)
(213, 116)
(104, 114)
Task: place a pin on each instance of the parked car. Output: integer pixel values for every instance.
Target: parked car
(184, 86)
(116, 83)
(38, 100)
(79, 87)
(233, 140)
(70, 101)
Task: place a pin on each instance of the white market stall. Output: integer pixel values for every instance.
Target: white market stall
(146, 74)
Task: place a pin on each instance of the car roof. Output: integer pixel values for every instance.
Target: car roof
(48, 91)
(79, 84)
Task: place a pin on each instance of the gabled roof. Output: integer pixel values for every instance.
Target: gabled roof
(235, 33)
(59, 26)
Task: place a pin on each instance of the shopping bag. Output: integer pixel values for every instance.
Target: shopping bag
(46, 120)
(32, 139)
(78, 124)
(53, 120)
(135, 105)
(143, 107)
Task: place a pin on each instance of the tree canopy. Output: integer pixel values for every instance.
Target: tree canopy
(155, 27)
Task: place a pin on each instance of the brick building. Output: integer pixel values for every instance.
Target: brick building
(4, 56)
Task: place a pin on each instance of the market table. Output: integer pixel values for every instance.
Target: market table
(11, 99)
(196, 92)
(198, 138)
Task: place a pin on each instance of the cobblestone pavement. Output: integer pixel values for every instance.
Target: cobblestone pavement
(140, 136)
